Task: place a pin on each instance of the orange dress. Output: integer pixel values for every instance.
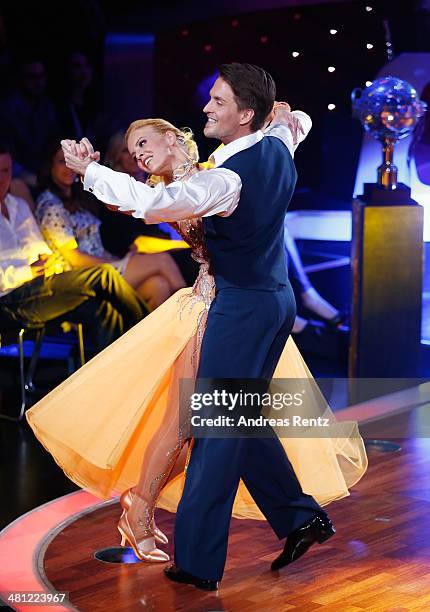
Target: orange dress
(120, 411)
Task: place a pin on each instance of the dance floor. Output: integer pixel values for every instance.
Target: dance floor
(378, 560)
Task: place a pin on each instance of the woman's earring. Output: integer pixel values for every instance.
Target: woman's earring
(169, 150)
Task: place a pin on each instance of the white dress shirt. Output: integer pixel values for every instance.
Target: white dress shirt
(209, 192)
(21, 243)
(278, 130)
(205, 193)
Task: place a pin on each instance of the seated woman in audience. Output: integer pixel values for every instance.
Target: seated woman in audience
(70, 226)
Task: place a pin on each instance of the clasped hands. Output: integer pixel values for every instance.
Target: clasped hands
(281, 113)
(79, 155)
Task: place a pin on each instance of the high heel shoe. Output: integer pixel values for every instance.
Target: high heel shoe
(145, 550)
(125, 500)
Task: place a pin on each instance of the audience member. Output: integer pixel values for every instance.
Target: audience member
(305, 293)
(77, 109)
(27, 119)
(31, 290)
(69, 222)
(4, 54)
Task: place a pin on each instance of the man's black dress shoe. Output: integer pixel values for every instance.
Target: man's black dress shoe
(318, 529)
(173, 572)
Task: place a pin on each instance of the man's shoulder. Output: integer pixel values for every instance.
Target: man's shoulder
(20, 209)
(239, 156)
(268, 151)
(19, 203)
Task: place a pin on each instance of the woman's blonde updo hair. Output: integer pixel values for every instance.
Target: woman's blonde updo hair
(184, 136)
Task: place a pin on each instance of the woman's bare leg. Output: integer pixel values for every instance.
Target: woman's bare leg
(158, 463)
(154, 290)
(142, 266)
(315, 302)
(166, 445)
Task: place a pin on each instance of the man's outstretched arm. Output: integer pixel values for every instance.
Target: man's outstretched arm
(291, 127)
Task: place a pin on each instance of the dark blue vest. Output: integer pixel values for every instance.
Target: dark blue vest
(247, 248)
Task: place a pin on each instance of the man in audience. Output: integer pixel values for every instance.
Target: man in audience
(27, 119)
(33, 289)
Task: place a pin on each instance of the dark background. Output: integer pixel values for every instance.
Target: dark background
(173, 46)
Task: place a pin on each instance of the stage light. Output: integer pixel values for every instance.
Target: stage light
(333, 31)
(369, 46)
(263, 39)
(184, 32)
(331, 106)
(331, 68)
(368, 83)
(295, 54)
(208, 48)
(369, 8)
(234, 23)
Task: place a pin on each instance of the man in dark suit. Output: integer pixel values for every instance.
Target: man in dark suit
(248, 325)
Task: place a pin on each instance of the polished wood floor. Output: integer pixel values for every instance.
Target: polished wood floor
(379, 559)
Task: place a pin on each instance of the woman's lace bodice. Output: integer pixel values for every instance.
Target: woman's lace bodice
(191, 231)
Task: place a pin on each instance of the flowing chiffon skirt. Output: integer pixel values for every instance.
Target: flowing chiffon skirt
(107, 418)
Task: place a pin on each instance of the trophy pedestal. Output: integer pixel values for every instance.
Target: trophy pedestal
(387, 260)
(376, 195)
